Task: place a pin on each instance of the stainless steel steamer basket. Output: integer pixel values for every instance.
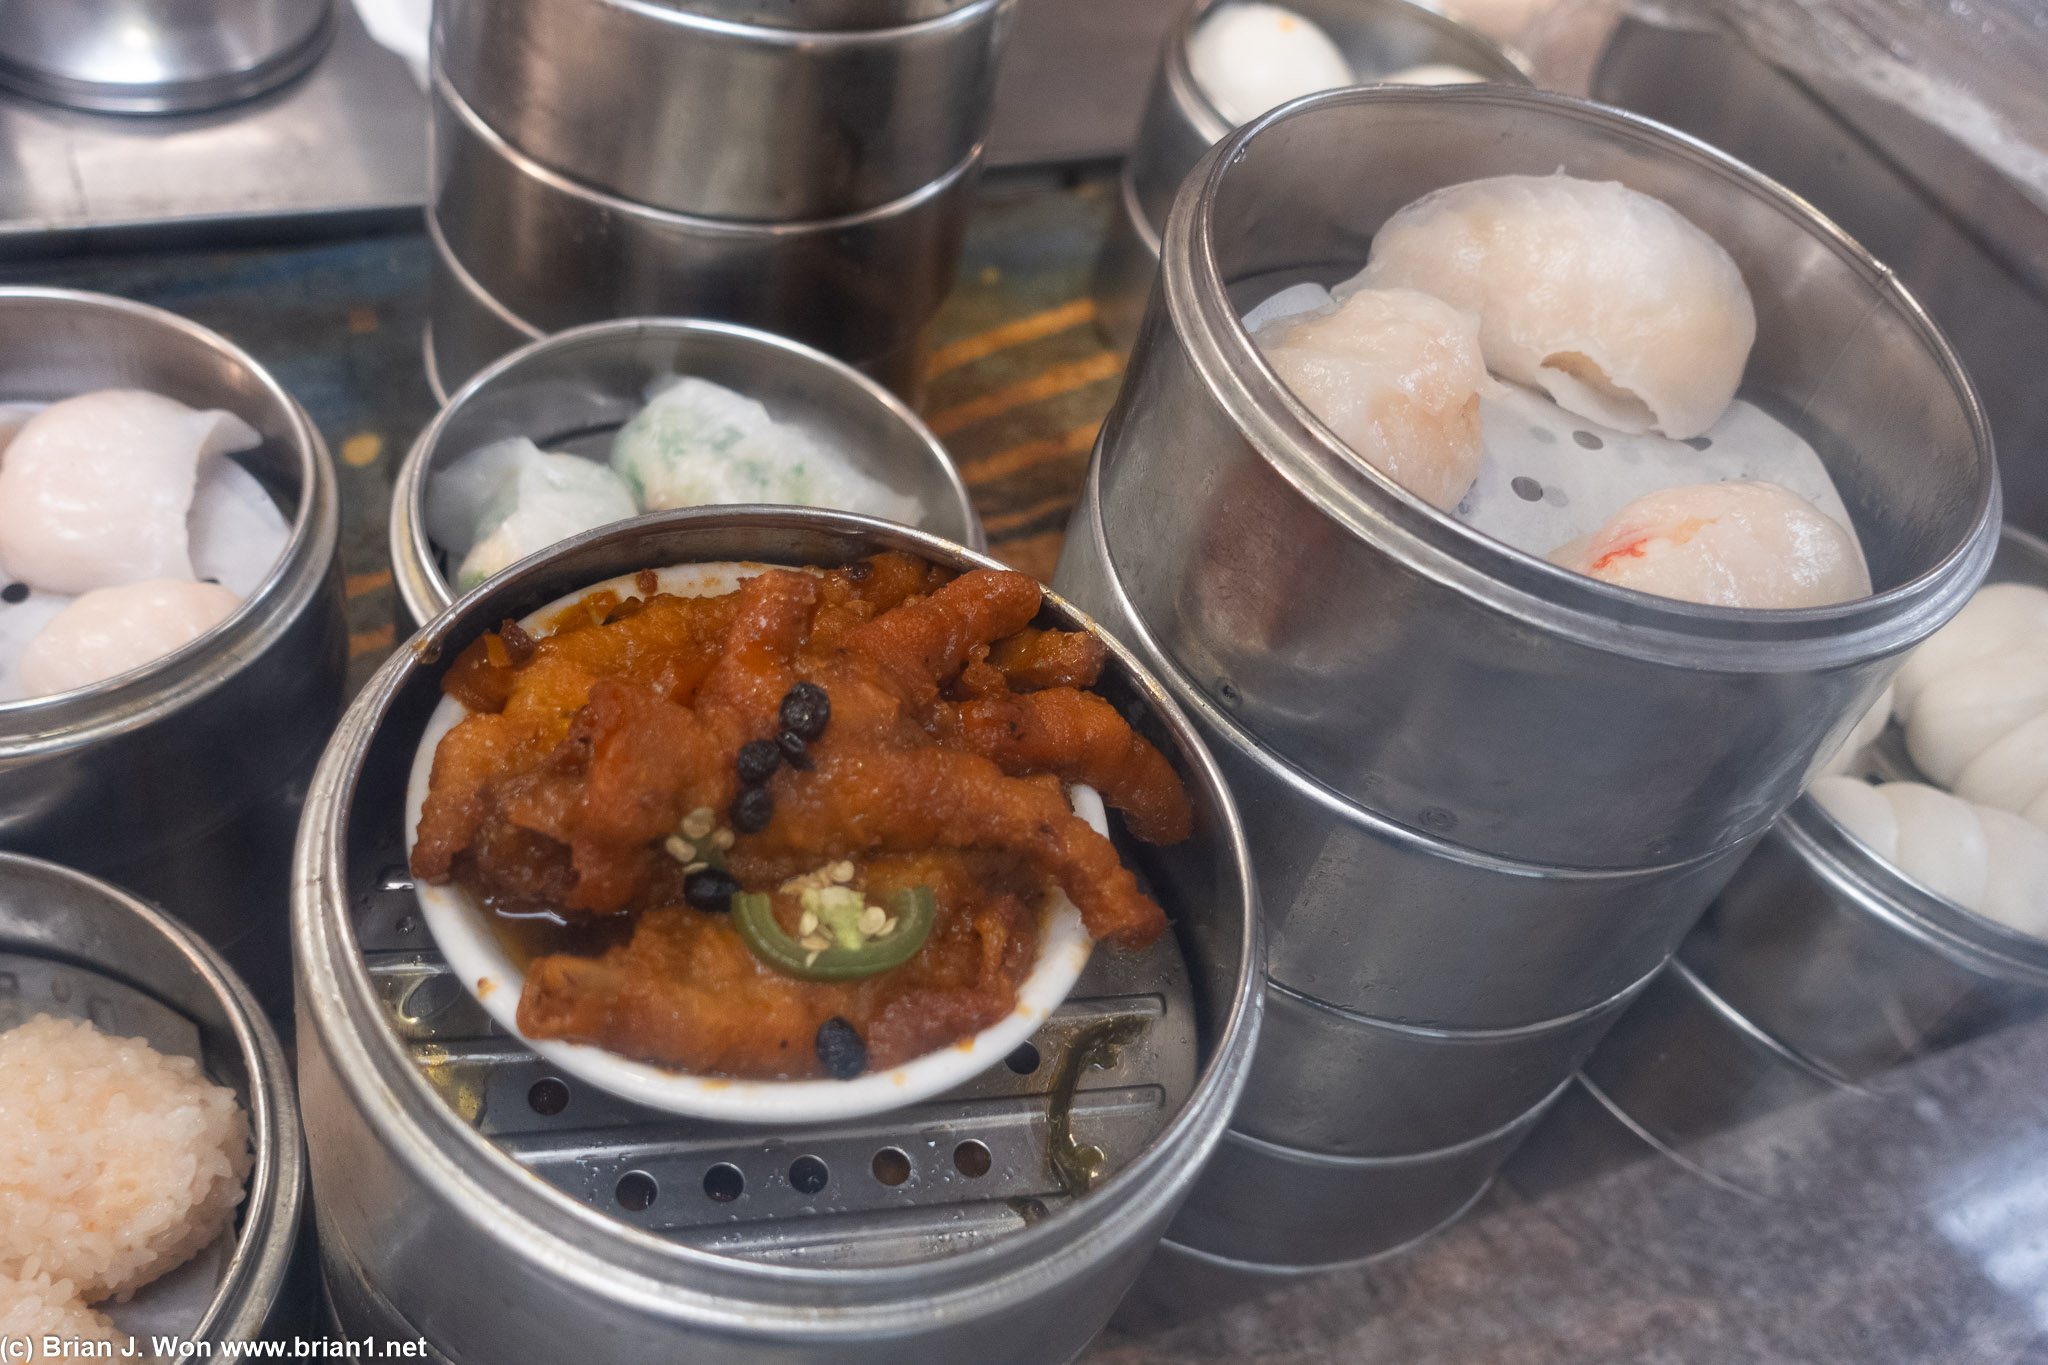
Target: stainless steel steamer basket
(467, 329)
(1448, 681)
(1833, 952)
(182, 780)
(109, 56)
(1381, 920)
(1271, 1205)
(571, 391)
(73, 921)
(1683, 1065)
(1330, 1081)
(823, 14)
(1378, 37)
(556, 254)
(460, 1241)
(699, 114)
(1180, 1284)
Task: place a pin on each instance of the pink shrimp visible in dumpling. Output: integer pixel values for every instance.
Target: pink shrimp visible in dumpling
(1743, 543)
(1607, 299)
(111, 630)
(1396, 375)
(94, 491)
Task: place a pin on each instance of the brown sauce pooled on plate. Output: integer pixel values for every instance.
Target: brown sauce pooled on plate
(657, 799)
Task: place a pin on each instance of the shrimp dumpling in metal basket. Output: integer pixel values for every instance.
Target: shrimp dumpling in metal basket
(1742, 543)
(1607, 299)
(1396, 375)
(95, 490)
(109, 631)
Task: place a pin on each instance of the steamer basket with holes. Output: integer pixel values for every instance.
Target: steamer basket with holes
(1378, 39)
(76, 948)
(475, 1194)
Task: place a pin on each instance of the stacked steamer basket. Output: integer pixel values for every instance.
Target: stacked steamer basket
(470, 1195)
(1818, 968)
(74, 947)
(1377, 37)
(802, 167)
(1486, 798)
(182, 780)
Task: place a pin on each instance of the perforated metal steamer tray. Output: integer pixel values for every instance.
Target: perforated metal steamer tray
(445, 1153)
(906, 1185)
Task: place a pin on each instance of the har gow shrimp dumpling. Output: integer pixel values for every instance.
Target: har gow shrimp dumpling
(1396, 375)
(1249, 58)
(109, 631)
(1743, 543)
(1607, 299)
(95, 490)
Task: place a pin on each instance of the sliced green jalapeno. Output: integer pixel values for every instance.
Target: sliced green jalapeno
(844, 938)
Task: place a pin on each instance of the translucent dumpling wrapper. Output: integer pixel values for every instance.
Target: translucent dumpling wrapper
(507, 500)
(1396, 375)
(110, 631)
(1249, 58)
(1609, 300)
(1499, 19)
(1743, 543)
(95, 490)
(699, 444)
(1430, 73)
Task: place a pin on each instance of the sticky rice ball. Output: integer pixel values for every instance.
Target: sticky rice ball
(117, 1164)
(35, 1306)
(1607, 299)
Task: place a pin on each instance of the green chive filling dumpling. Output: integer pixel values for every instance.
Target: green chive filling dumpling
(697, 443)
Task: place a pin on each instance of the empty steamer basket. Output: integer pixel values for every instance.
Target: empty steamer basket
(552, 253)
(1378, 38)
(709, 115)
(181, 780)
(1830, 950)
(571, 392)
(470, 1196)
(75, 947)
(1443, 679)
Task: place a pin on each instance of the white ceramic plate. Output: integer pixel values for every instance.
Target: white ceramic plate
(488, 972)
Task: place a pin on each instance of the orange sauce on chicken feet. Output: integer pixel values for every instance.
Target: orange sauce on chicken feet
(618, 778)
